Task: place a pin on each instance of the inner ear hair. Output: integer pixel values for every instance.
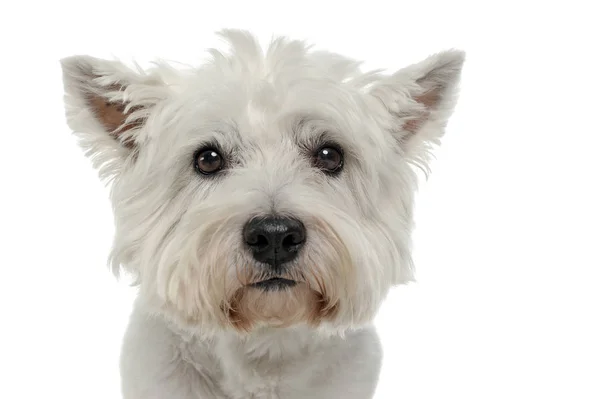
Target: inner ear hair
(111, 114)
(430, 99)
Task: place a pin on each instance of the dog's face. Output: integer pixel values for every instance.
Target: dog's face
(262, 188)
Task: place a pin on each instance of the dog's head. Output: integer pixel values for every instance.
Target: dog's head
(262, 188)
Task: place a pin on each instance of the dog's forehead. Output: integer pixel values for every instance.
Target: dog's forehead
(257, 90)
(255, 98)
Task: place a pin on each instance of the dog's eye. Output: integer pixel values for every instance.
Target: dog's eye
(208, 161)
(329, 159)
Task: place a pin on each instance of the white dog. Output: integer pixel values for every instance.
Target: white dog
(264, 203)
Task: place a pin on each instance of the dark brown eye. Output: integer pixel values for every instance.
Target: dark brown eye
(208, 161)
(329, 159)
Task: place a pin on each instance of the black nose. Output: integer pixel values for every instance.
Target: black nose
(274, 240)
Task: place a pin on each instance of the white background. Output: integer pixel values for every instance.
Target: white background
(507, 303)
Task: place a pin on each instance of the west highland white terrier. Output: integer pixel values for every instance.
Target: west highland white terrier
(263, 203)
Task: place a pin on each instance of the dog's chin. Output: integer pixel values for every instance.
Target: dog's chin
(276, 302)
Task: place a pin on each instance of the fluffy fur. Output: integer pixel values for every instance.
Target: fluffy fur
(199, 330)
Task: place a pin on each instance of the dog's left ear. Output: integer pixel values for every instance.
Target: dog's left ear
(419, 100)
(107, 103)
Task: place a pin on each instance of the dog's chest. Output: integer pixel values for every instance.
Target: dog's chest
(280, 382)
(278, 374)
(255, 388)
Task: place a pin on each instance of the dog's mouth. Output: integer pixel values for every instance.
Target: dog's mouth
(275, 284)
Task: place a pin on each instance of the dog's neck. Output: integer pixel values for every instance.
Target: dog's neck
(276, 342)
(265, 343)
(260, 343)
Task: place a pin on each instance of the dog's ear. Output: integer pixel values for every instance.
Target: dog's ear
(106, 105)
(419, 100)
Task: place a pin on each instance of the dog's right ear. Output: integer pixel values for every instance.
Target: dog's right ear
(419, 100)
(107, 104)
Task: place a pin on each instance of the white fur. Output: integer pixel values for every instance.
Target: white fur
(179, 233)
